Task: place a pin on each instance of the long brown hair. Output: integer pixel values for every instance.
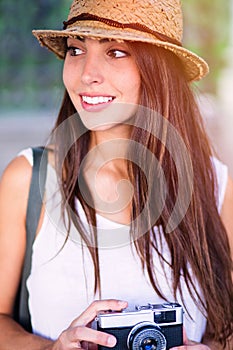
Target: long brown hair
(199, 241)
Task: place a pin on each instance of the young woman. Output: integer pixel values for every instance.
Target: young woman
(137, 209)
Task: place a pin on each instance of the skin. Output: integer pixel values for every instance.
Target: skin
(14, 187)
(102, 68)
(106, 68)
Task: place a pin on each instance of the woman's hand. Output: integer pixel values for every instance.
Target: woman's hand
(192, 346)
(79, 335)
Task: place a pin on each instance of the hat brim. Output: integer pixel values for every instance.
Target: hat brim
(195, 67)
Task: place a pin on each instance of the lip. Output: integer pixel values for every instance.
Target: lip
(98, 106)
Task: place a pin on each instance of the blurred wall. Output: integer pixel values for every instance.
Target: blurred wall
(22, 130)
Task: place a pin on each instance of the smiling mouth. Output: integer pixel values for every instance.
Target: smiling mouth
(96, 100)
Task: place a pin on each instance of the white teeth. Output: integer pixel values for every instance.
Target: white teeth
(96, 100)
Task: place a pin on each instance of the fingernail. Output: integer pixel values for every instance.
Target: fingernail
(111, 341)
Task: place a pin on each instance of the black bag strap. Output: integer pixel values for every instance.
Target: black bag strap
(36, 193)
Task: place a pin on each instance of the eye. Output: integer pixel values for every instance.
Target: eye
(117, 53)
(75, 51)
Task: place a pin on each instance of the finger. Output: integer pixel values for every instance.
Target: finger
(80, 335)
(99, 305)
(89, 346)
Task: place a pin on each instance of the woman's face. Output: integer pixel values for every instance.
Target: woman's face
(102, 80)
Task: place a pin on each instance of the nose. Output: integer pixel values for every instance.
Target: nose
(93, 70)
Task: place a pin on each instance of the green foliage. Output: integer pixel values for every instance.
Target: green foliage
(29, 75)
(206, 32)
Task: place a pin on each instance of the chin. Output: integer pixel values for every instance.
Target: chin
(114, 116)
(104, 127)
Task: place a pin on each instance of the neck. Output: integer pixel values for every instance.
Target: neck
(106, 174)
(109, 146)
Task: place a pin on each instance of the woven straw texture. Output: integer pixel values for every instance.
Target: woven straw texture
(162, 16)
(158, 16)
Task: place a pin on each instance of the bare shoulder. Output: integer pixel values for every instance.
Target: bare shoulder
(227, 210)
(14, 188)
(15, 180)
(16, 168)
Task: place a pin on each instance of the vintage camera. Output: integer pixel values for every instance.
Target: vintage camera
(149, 327)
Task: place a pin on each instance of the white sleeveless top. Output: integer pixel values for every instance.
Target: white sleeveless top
(61, 282)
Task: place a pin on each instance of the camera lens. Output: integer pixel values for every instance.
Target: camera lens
(149, 344)
(146, 336)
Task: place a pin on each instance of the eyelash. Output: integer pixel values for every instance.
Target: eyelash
(111, 53)
(72, 49)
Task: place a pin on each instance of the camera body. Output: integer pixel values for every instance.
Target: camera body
(149, 327)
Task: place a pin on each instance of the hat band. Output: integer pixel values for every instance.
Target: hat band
(112, 23)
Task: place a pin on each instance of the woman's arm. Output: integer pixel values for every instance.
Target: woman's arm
(14, 189)
(14, 337)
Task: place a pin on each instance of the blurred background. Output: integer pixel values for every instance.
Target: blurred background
(31, 77)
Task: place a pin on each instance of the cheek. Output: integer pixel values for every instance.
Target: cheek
(66, 75)
(70, 79)
(134, 85)
(70, 82)
(138, 88)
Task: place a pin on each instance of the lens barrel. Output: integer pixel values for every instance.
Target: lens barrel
(146, 336)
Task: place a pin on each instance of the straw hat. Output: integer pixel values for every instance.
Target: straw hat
(158, 22)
